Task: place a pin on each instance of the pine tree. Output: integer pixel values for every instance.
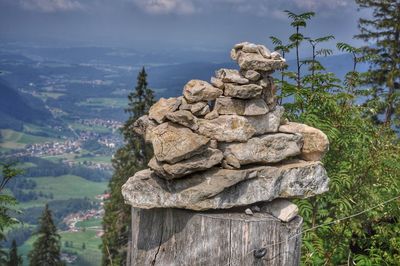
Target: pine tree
(47, 247)
(130, 158)
(383, 29)
(14, 258)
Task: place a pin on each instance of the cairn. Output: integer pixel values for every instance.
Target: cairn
(225, 144)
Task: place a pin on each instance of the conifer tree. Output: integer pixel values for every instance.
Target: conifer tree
(47, 247)
(130, 158)
(383, 29)
(13, 258)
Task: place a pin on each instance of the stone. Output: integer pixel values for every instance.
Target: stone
(213, 144)
(163, 106)
(231, 76)
(212, 115)
(232, 161)
(146, 190)
(204, 111)
(282, 209)
(257, 62)
(222, 188)
(143, 126)
(269, 148)
(227, 105)
(297, 179)
(243, 91)
(199, 162)
(184, 118)
(255, 208)
(217, 83)
(197, 107)
(276, 55)
(185, 105)
(199, 90)
(227, 128)
(316, 143)
(252, 75)
(255, 107)
(267, 123)
(248, 212)
(173, 143)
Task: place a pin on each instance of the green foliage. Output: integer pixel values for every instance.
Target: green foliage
(384, 76)
(130, 158)
(47, 247)
(363, 164)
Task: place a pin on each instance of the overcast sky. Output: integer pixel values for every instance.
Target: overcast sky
(192, 24)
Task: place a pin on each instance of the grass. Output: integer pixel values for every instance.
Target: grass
(105, 102)
(90, 256)
(65, 187)
(89, 223)
(96, 159)
(18, 140)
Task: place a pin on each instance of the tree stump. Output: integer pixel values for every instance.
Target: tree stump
(182, 237)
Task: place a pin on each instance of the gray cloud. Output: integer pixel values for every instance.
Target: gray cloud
(166, 6)
(49, 6)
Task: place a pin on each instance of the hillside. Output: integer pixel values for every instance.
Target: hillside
(15, 109)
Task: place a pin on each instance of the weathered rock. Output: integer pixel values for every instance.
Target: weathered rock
(227, 128)
(231, 161)
(204, 111)
(173, 142)
(253, 61)
(269, 148)
(316, 143)
(248, 211)
(146, 190)
(184, 118)
(143, 127)
(199, 162)
(255, 107)
(222, 188)
(230, 75)
(282, 209)
(163, 106)
(184, 104)
(199, 90)
(252, 75)
(213, 144)
(293, 180)
(243, 91)
(212, 115)
(227, 105)
(276, 55)
(197, 107)
(267, 123)
(217, 83)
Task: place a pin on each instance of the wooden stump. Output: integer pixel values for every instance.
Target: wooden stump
(181, 237)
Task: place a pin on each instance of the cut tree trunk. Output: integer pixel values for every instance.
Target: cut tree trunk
(182, 237)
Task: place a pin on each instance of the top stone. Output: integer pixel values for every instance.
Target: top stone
(255, 57)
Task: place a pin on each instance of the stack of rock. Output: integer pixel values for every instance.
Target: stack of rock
(225, 144)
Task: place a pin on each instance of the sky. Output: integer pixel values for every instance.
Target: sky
(169, 24)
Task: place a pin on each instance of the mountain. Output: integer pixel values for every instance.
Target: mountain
(15, 108)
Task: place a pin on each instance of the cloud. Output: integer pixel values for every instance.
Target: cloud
(256, 7)
(50, 6)
(166, 6)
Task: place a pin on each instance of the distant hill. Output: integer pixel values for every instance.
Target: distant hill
(15, 109)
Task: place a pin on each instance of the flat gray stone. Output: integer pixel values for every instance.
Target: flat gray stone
(163, 106)
(200, 90)
(269, 148)
(230, 76)
(173, 143)
(267, 123)
(228, 106)
(227, 128)
(243, 91)
(146, 190)
(197, 163)
(184, 118)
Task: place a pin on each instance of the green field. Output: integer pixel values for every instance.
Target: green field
(90, 256)
(105, 102)
(65, 187)
(18, 140)
(98, 129)
(89, 223)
